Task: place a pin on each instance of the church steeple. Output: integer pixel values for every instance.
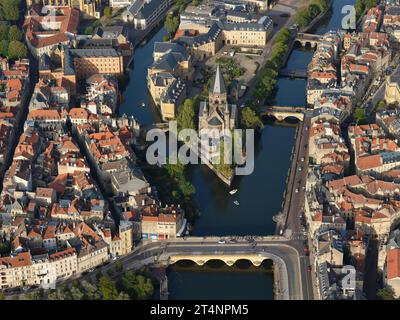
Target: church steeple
(217, 94)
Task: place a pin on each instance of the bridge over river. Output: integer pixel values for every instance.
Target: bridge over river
(288, 260)
(313, 40)
(283, 112)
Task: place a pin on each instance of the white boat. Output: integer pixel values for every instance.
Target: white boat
(236, 202)
(143, 104)
(233, 191)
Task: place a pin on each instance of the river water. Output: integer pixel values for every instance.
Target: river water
(260, 194)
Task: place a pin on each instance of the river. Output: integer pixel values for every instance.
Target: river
(260, 194)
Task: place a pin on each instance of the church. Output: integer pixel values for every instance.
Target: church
(217, 113)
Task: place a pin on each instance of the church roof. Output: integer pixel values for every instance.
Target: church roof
(218, 83)
(215, 121)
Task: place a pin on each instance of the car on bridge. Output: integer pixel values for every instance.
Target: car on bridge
(221, 241)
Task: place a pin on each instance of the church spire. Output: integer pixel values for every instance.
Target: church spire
(218, 83)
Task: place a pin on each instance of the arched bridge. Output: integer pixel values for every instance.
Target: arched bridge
(288, 264)
(228, 259)
(307, 38)
(283, 112)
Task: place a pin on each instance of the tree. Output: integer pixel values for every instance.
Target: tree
(165, 38)
(186, 115)
(17, 50)
(89, 30)
(108, 289)
(5, 247)
(90, 291)
(99, 274)
(9, 10)
(136, 285)
(250, 120)
(110, 273)
(76, 294)
(118, 266)
(386, 293)
(107, 12)
(4, 32)
(14, 33)
(381, 105)
(171, 23)
(2, 296)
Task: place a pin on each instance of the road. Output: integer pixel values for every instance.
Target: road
(294, 202)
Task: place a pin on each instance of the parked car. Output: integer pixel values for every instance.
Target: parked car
(309, 268)
(222, 241)
(297, 190)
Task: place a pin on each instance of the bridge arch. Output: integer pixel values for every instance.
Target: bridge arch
(284, 116)
(228, 259)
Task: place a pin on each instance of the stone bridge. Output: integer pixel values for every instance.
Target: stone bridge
(282, 112)
(229, 259)
(308, 39)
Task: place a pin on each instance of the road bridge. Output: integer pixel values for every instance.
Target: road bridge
(287, 258)
(313, 40)
(283, 112)
(293, 73)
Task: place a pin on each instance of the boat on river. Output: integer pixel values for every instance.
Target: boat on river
(236, 202)
(233, 191)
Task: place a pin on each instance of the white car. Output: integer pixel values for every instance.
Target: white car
(221, 241)
(297, 190)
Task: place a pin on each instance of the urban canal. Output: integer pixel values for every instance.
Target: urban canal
(259, 194)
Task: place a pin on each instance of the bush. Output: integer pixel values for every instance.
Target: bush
(107, 12)
(89, 30)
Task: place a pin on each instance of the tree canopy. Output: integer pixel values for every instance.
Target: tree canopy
(137, 286)
(17, 50)
(386, 293)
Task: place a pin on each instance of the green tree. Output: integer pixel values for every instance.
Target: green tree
(110, 273)
(108, 288)
(99, 274)
(386, 293)
(9, 10)
(5, 247)
(107, 12)
(76, 293)
(4, 48)
(165, 38)
(17, 50)
(2, 296)
(14, 33)
(171, 23)
(89, 30)
(223, 168)
(381, 105)
(4, 32)
(250, 120)
(96, 23)
(186, 114)
(136, 285)
(118, 266)
(90, 291)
